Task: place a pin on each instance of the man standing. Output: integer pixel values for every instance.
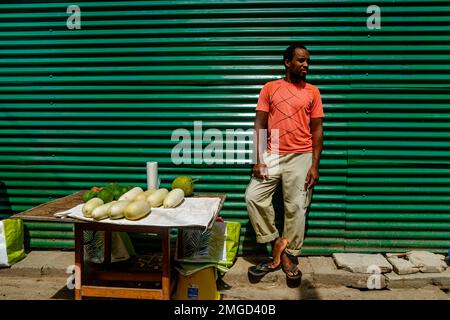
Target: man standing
(290, 111)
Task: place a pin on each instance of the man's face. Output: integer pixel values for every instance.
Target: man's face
(299, 65)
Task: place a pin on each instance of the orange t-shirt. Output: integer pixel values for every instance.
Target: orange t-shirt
(290, 107)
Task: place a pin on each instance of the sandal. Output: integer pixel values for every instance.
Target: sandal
(295, 272)
(262, 269)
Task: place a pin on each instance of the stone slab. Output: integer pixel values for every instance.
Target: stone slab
(427, 261)
(402, 266)
(361, 263)
(419, 280)
(325, 273)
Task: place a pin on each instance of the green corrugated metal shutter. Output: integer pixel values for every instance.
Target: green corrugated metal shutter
(90, 106)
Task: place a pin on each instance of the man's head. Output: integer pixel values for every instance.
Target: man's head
(296, 61)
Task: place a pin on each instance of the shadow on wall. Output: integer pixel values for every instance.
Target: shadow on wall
(5, 204)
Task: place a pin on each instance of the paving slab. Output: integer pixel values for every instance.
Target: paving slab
(402, 266)
(419, 280)
(361, 263)
(326, 273)
(427, 261)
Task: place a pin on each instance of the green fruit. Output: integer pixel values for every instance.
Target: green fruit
(117, 192)
(123, 190)
(88, 195)
(106, 196)
(185, 183)
(111, 186)
(115, 189)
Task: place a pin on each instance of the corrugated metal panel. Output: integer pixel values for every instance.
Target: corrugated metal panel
(397, 120)
(90, 106)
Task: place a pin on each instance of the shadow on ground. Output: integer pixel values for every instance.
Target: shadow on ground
(64, 294)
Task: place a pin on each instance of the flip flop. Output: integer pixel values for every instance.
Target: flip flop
(297, 274)
(262, 269)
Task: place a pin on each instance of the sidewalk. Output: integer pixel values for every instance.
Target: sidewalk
(44, 275)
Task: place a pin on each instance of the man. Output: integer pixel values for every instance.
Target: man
(291, 111)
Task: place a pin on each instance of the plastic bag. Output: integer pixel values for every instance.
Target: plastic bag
(94, 244)
(216, 247)
(11, 242)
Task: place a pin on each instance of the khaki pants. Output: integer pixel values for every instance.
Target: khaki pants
(291, 171)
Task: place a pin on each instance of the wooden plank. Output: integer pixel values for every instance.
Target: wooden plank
(118, 292)
(79, 261)
(122, 227)
(165, 265)
(126, 276)
(107, 247)
(45, 211)
(180, 241)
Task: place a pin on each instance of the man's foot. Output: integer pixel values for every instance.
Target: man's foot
(277, 249)
(290, 267)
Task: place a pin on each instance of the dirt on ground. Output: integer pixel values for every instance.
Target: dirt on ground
(51, 288)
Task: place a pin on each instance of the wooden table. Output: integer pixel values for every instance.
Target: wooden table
(83, 288)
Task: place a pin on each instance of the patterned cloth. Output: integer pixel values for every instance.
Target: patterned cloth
(290, 107)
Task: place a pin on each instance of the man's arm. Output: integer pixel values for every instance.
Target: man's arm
(260, 168)
(317, 144)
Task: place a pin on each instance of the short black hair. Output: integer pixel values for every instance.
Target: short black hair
(289, 52)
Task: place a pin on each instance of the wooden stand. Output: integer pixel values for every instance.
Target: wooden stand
(84, 290)
(45, 212)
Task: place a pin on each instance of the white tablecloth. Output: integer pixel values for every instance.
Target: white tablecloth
(199, 212)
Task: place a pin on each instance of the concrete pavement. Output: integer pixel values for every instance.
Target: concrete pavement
(44, 274)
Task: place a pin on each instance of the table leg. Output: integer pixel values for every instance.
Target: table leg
(180, 245)
(165, 264)
(78, 260)
(107, 251)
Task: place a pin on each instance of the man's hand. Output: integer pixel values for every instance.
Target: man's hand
(260, 171)
(312, 177)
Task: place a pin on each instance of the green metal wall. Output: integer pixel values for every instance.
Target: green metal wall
(91, 106)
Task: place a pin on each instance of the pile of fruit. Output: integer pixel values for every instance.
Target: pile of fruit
(133, 203)
(112, 191)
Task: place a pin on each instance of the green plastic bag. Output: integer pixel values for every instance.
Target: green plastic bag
(11, 242)
(94, 246)
(232, 242)
(216, 247)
